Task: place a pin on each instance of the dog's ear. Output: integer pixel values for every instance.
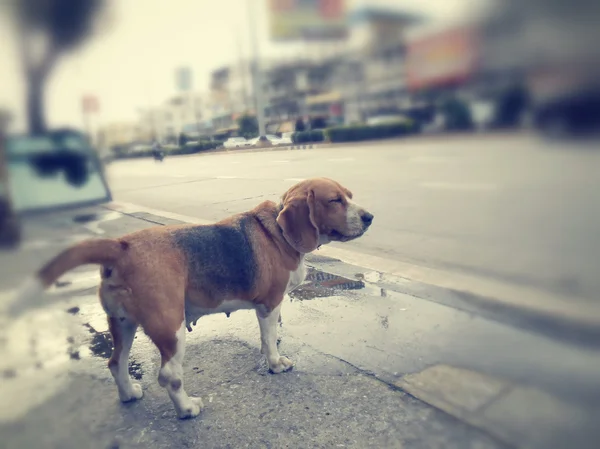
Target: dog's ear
(298, 222)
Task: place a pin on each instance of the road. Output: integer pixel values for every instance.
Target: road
(503, 210)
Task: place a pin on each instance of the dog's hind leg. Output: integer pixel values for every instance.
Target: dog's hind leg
(170, 376)
(123, 332)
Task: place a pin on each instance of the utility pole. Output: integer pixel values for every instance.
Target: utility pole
(243, 72)
(258, 87)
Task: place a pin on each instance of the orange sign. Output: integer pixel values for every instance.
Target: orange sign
(443, 58)
(90, 104)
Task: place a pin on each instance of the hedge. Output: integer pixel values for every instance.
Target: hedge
(365, 132)
(184, 149)
(308, 136)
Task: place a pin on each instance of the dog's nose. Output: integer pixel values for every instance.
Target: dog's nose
(367, 218)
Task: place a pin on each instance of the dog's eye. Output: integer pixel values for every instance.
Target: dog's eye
(336, 200)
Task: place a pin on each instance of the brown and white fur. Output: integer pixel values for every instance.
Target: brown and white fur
(165, 278)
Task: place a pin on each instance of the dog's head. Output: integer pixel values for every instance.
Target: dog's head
(318, 211)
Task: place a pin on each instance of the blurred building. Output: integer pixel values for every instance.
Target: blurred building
(511, 63)
(550, 49)
(369, 78)
(187, 113)
(231, 95)
(291, 87)
(119, 134)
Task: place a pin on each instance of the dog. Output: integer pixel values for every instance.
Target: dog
(165, 278)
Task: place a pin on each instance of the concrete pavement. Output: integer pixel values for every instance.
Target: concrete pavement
(374, 368)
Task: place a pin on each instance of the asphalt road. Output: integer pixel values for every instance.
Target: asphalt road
(507, 209)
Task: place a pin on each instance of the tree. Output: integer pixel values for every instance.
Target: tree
(300, 125)
(60, 25)
(248, 126)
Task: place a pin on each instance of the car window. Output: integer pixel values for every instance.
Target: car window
(50, 186)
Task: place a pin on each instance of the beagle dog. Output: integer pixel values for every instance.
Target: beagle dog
(164, 278)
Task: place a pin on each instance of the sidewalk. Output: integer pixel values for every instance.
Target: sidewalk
(374, 368)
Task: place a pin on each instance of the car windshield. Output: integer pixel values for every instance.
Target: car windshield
(237, 139)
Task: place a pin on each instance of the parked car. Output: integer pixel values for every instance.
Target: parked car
(236, 142)
(286, 139)
(387, 119)
(270, 137)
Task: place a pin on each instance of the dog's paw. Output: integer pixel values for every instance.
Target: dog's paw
(134, 393)
(280, 365)
(192, 410)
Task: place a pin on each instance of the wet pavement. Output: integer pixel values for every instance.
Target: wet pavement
(353, 342)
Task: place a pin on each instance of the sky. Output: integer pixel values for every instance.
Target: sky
(130, 61)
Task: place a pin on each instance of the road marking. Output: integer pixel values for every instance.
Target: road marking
(459, 187)
(341, 159)
(279, 162)
(226, 177)
(428, 159)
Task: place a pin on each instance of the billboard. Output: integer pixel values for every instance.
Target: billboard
(441, 59)
(307, 19)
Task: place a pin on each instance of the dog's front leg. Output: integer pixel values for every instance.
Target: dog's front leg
(268, 337)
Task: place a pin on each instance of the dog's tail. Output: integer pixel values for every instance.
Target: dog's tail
(97, 251)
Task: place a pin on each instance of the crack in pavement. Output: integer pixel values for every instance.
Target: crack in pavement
(396, 388)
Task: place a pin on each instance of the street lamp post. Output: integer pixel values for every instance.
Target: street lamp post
(258, 87)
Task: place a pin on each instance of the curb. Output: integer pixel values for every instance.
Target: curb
(517, 415)
(521, 307)
(550, 315)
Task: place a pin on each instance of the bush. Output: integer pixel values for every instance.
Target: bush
(248, 126)
(196, 147)
(365, 132)
(308, 136)
(175, 150)
(457, 115)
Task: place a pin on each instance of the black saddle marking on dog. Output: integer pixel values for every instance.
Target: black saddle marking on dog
(219, 256)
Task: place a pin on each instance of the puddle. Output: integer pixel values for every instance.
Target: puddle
(319, 284)
(101, 346)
